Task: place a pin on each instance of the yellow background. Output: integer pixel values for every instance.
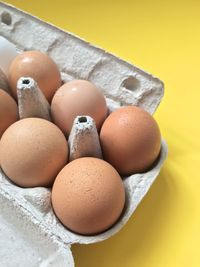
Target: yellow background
(162, 37)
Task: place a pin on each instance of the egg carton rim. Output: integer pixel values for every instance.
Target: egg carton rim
(126, 62)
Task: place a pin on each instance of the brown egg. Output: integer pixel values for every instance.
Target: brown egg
(130, 140)
(38, 66)
(77, 97)
(8, 111)
(32, 152)
(88, 196)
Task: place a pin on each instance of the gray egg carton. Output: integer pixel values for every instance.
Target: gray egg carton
(31, 235)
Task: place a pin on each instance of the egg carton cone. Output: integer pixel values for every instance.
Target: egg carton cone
(84, 139)
(31, 100)
(30, 233)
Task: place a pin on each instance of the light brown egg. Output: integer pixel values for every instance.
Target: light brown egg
(38, 66)
(32, 152)
(88, 196)
(8, 111)
(130, 140)
(77, 97)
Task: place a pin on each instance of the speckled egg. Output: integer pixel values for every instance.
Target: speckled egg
(88, 196)
(32, 152)
(130, 140)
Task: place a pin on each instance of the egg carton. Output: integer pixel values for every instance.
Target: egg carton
(30, 233)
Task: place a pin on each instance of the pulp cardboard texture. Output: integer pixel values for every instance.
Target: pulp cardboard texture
(31, 100)
(84, 139)
(30, 234)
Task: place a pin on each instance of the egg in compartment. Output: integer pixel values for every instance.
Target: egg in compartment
(38, 66)
(88, 196)
(77, 98)
(32, 152)
(130, 140)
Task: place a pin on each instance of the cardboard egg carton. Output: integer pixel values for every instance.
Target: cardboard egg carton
(32, 235)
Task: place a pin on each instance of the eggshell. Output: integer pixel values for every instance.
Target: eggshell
(130, 140)
(38, 66)
(8, 111)
(76, 98)
(32, 152)
(88, 195)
